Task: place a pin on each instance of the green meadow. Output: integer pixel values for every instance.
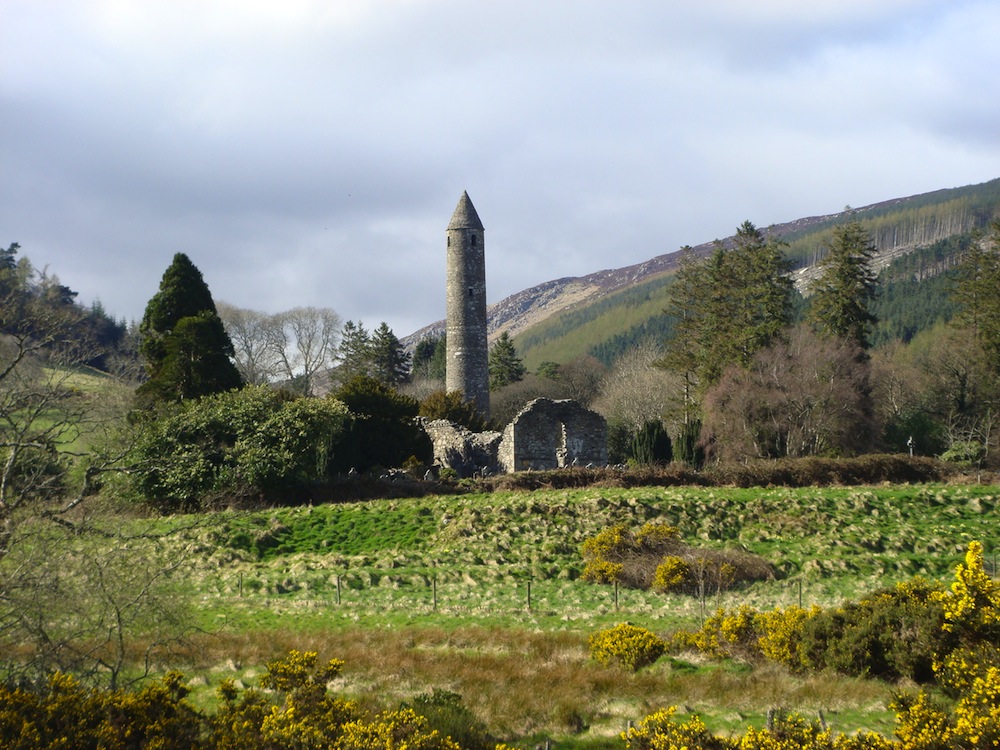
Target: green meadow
(482, 595)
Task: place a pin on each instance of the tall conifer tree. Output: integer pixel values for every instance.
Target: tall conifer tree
(355, 352)
(728, 306)
(505, 366)
(843, 294)
(978, 293)
(187, 351)
(390, 361)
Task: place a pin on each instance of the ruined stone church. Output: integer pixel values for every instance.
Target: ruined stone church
(545, 434)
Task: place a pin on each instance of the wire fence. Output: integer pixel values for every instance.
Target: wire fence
(520, 596)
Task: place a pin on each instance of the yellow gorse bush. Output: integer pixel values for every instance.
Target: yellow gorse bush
(602, 571)
(671, 574)
(973, 606)
(660, 731)
(725, 634)
(394, 730)
(780, 634)
(632, 647)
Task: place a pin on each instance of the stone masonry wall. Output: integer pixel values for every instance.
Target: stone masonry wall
(549, 434)
(545, 434)
(458, 448)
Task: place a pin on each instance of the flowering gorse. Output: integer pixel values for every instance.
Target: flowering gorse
(632, 647)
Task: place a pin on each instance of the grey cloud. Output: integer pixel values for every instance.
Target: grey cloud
(312, 153)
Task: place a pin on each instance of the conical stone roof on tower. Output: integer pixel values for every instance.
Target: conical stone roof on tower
(465, 216)
(467, 354)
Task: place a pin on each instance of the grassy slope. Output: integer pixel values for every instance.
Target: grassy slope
(563, 337)
(272, 579)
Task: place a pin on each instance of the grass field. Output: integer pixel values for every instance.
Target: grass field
(482, 595)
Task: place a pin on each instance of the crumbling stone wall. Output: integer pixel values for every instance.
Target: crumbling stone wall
(456, 447)
(549, 434)
(545, 434)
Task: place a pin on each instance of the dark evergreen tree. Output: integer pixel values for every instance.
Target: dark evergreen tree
(843, 294)
(687, 446)
(187, 351)
(686, 307)
(382, 430)
(197, 361)
(355, 352)
(550, 370)
(505, 366)
(651, 444)
(429, 358)
(977, 293)
(15, 288)
(183, 293)
(762, 291)
(728, 307)
(390, 362)
(8, 268)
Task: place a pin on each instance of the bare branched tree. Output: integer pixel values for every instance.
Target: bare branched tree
(96, 603)
(73, 590)
(253, 335)
(293, 347)
(314, 332)
(636, 390)
(808, 396)
(42, 412)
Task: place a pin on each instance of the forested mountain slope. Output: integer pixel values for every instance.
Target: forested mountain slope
(604, 312)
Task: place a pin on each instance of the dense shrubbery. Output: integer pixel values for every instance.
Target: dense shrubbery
(916, 630)
(895, 633)
(451, 405)
(655, 557)
(294, 709)
(383, 431)
(64, 713)
(661, 731)
(236, 445)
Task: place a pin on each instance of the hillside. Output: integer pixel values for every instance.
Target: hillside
(573, 316)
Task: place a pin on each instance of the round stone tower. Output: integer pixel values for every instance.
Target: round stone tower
(467, 353)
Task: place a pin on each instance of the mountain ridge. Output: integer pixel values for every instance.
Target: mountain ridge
(519, 312)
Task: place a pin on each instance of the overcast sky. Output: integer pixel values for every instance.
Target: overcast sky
(312, 152)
